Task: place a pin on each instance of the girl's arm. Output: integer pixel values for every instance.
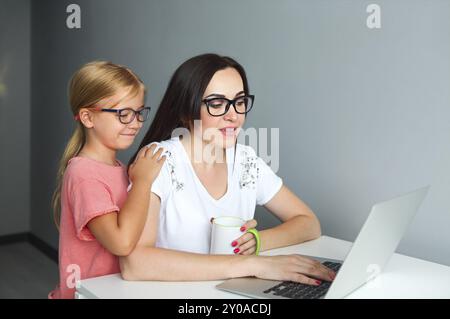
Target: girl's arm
(299, 222)
(119, 232)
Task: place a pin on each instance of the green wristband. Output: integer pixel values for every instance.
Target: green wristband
(255, 233)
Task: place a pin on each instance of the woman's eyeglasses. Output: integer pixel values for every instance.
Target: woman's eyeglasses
(127, 115)
(218, 106)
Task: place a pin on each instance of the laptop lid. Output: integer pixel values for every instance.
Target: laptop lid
(376, 242)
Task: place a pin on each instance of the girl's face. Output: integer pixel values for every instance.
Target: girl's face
(106, 127)
(222, 130)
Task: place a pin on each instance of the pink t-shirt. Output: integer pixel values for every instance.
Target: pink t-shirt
(90, 189)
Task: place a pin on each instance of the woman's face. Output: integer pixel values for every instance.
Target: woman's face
(222, 130)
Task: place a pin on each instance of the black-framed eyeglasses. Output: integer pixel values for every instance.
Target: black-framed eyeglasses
(127, 115)
(218, 106)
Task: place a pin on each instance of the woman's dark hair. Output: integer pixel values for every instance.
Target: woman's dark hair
(182, 100)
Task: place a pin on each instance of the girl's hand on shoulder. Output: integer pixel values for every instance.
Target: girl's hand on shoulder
(147, 165)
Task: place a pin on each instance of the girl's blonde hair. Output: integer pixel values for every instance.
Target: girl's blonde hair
(92, 83)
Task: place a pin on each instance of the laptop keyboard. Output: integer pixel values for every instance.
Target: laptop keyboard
(295, 290)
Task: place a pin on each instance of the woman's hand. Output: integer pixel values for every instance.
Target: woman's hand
(246, 244)
(293, 268)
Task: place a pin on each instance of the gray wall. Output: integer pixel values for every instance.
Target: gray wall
(362, 113)
(14, 116)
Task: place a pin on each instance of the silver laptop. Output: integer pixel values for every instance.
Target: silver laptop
(375, 244)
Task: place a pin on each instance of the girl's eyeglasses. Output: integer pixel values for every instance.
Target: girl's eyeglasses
(127, 115)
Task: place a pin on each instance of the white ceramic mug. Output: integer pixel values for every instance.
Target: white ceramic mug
(226, 229)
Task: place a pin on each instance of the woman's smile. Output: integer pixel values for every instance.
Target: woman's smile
(229, 131)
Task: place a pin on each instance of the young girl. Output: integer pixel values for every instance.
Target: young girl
(191, 189)
(98, 221)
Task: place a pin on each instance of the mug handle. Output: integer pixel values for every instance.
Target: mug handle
(255, 234)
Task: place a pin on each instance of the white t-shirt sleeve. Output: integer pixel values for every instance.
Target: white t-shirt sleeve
(162, 184)
(268, 183)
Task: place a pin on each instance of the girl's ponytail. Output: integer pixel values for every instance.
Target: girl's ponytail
(72, 149)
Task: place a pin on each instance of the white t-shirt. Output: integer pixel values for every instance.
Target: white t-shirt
(187, 207)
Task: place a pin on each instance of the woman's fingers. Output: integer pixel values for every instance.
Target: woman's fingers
(248, 248)
(249, 224)
(249, 251)
(304, 280)
(242, 240)
(315, 269)
(293, 268)
(246, 244)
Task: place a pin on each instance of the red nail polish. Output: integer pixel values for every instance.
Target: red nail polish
(236, 250)
(243, 228)
(318, 282)
(234, 243)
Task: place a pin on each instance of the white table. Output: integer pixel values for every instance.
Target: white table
(403, 277)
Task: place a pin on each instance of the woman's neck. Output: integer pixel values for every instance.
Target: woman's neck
(203, 154)
(99, 152)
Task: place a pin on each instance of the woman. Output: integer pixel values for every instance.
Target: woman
(192, 188)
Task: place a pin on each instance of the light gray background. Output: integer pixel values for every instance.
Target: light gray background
(363, 114)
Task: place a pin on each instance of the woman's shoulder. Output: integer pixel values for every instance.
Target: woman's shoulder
(255, 171)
